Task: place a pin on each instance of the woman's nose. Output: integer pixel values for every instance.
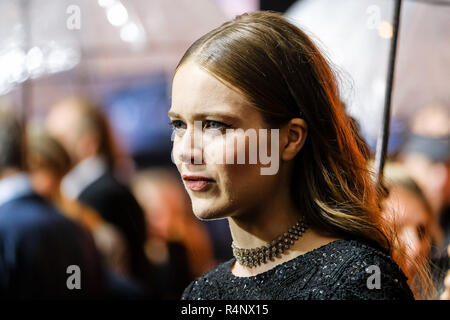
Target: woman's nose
(191, 147)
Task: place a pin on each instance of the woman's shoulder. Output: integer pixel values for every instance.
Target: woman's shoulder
(353, 252)
(360, 269)
(207, 286)
(354, 248)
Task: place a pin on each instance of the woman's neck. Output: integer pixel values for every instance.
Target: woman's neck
(261, 225)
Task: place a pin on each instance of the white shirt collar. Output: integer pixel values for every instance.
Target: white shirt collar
(82, 175)
(14, 187)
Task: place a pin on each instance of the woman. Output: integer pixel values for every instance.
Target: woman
(311, 228)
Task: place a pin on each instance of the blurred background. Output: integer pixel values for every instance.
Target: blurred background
(62, 59)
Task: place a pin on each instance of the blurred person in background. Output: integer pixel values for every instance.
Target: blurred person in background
(37, 243)
(179, 244)
(410, 213)
(48, 162)
(219, 233)
(426, 156)
(82, 128)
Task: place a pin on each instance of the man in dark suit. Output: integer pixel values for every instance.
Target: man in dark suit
(42, 253)
(83, 130)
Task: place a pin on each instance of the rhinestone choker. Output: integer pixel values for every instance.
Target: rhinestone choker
(257, 256)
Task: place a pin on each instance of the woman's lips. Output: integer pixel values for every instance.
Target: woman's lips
(196, 183)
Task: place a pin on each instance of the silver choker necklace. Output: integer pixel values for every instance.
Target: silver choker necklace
(256, 256)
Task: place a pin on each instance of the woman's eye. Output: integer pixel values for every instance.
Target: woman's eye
(216, 125)
(207, 124)
(177, 125)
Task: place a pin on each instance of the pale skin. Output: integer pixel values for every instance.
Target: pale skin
(258, 207)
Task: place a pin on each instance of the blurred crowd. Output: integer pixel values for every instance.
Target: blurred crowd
(69, 195)
(418, 180)
(136, 224)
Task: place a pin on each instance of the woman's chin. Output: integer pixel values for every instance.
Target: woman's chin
(208, 213)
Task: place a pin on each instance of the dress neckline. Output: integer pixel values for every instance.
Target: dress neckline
(298, 258)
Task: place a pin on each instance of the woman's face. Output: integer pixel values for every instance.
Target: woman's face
(217, 186)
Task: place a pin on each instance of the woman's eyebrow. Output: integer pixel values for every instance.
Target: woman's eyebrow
(173, 114)
(226, 115)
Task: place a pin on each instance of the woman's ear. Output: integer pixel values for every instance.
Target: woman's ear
(293, 136)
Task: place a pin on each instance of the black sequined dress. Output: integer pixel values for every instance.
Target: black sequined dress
(336, 271)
